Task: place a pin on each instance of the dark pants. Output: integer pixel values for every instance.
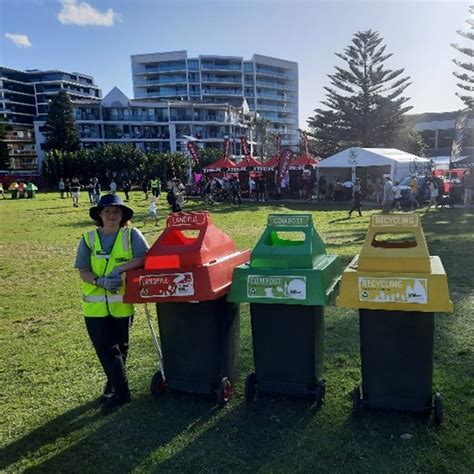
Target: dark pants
(109, 337)
(236, 198)
(356, 207)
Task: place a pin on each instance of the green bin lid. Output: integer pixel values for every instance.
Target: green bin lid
(287, 268)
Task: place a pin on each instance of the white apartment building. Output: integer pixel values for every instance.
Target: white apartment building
(269, 85)
(158, 126)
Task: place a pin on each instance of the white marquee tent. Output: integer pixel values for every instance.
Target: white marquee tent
(397, 163)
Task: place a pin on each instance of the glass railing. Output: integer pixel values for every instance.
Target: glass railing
(222, 67)
(162, 68)
(218, 79)
(222, 92)
(274, 73)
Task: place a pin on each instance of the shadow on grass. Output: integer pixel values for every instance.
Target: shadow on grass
(117, 442)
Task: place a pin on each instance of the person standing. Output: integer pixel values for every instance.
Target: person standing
(357, 196)
(414, 192)
(155, 186)
(468, 185)
(127, 187)
(145, 188)
(433, 193)
(61, 188)
(397, 195)
(235, 189)
(67, 187)
(152, 210)
(75, 191)
(97, 190)
(2, 192)
(113, 187)
(387, 194)
(103, 255)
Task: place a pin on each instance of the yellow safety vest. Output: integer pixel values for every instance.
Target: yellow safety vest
(154, 183)
(98, 302)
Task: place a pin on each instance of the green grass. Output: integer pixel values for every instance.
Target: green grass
(51, 378)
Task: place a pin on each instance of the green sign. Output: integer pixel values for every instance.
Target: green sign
(289, 221)
(276, 287)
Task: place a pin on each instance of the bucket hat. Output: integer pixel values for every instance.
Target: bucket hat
(107, 201)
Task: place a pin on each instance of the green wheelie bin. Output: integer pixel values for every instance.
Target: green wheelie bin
(287, 282)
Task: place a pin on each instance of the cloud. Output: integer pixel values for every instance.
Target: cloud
(20, 41)
(84, 14)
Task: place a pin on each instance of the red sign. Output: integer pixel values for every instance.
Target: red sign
(245, 146)
(165, 285)
(194, 151)
(226, 148)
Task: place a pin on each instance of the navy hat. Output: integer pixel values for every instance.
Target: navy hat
(107, 201)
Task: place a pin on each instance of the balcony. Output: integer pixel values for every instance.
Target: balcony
(162, 80)
(159, 68)
(216, 91)
(230, 80)
(270, 72)
(221, 67)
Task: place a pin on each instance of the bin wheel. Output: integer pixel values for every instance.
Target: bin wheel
(250, 387)
(158, 384)
(318, 393)
(438, 408)
(224, 392)
(356, 400)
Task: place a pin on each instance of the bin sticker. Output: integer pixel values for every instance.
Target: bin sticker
(394, 290)
(164, 285)
(288, 221)
(276, 287)
(395, 220)
(182, 219)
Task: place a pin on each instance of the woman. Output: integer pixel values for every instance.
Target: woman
(103, 255)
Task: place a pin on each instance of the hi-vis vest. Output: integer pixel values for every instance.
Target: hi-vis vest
(98, 302)
(154, 183)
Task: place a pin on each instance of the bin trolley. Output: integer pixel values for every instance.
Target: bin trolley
(287, 284)
(188, 272)
(397, 288)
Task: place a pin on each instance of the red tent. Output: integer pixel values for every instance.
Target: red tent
(271, 163)
(304, 160)
(249, 161)
(221, 163)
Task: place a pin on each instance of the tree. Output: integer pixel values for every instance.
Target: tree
(466, 73)
(60, 131)
(364, 102)
(4, 151)
(262, 136)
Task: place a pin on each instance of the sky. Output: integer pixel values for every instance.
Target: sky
(97, 38)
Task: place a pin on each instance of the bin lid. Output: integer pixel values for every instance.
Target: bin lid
(289, 265)
(394, 270)
(189, 239)
(289, 241)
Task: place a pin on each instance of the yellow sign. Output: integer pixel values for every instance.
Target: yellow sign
(393, 290)
(395, 220)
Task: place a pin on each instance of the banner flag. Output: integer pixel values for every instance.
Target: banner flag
(193, 150)
(226, 148)
(245, 146)
(283, 164)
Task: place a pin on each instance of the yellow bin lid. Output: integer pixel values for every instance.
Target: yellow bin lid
(394, 270)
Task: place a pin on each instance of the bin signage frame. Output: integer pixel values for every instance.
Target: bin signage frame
(164, 285)
(394, 289)
(289, 220)
(288, 287)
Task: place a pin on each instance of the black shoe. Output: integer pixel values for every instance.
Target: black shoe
(119, 398)
(109, 391)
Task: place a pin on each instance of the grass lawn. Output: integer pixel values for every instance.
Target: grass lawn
(50, 419)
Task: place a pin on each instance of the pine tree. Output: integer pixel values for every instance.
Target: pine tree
(4, 152)
(466, 73)
(60, 131)
(364, 103)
